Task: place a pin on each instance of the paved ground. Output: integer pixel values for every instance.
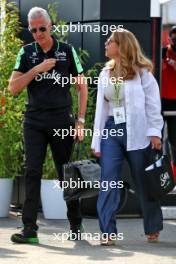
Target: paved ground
(133, 249)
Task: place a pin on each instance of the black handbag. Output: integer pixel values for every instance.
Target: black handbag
(81, 177)
(159, 176)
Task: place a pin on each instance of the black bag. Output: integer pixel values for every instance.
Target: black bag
(81, 178)
(159, 176)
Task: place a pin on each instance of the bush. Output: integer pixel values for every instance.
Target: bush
(49, 169)
(11, 149)
(11, 144)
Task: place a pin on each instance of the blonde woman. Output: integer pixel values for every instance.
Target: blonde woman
(132, 109)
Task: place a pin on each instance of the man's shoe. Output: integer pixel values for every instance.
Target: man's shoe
(27, 235)
(75, 232)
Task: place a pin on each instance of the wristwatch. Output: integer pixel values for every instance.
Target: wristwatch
(81, 120)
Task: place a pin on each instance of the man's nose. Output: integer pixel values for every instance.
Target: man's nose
(38, 33)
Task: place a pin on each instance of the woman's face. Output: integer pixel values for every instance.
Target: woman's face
(111, 49)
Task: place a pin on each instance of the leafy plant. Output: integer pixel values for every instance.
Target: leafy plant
(11, 145)
(11, 149)
(52, 9)
(49, 169)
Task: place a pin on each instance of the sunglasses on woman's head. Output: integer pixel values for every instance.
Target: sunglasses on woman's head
(41, 29)
(109, 41)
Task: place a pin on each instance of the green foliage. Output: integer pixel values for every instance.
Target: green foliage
(52, 9)
(11, 149)
(94, 71)
(49, 169)
(11, 145)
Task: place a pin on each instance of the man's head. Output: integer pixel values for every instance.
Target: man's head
(172, 37)
(39, 24)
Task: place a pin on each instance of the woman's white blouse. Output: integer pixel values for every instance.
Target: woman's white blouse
(143, 110)
(111, 96)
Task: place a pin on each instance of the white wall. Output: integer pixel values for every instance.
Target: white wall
(169, 12)
(155, 8)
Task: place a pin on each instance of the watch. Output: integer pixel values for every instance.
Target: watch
(81, 120)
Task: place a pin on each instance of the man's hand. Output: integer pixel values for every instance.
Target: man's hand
(79, 126)
(172, 63)
(156, 143)
(45, 66)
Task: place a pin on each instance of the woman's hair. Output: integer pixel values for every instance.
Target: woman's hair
(131, 58)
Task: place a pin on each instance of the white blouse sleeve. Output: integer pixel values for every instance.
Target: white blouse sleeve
(152, 104)
(100, 115)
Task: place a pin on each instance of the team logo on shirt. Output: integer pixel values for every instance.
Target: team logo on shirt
(54, 75)
(34, 57)
(61, 56)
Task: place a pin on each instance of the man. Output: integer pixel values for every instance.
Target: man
(41, 66)
(168, 93)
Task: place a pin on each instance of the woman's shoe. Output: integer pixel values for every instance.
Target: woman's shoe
(107, 241)
(153, 238)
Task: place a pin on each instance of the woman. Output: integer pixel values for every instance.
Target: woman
(133, 107)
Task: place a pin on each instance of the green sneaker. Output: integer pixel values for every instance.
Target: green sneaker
(26, 236)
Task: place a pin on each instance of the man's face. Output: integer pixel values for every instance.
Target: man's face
(40, 29)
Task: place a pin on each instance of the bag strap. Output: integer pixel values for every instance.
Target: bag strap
(155, 155)
(80, 149)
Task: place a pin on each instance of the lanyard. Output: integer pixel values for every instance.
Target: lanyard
(117, 87)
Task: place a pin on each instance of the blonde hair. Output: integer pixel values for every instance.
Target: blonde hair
(132, 59)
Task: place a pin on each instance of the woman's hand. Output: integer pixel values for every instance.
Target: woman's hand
(156, 142)
(97, 154)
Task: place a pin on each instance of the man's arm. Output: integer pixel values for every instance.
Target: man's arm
(77, 72)
(82, 104)
(82, 95)
(18, 80)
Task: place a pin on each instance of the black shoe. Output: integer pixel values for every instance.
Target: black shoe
(28, 235)
(75, 232)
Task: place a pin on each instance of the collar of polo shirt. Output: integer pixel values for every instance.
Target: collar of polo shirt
(55, 46)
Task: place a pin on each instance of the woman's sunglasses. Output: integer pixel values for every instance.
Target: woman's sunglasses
(109, 41)
(40, 29)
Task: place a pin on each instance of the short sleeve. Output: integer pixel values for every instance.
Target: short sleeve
(21, 62)
(75, 66)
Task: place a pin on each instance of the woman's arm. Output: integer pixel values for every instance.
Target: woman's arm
(152, 108)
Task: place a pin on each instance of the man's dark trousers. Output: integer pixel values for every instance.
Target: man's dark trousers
(36, 140)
